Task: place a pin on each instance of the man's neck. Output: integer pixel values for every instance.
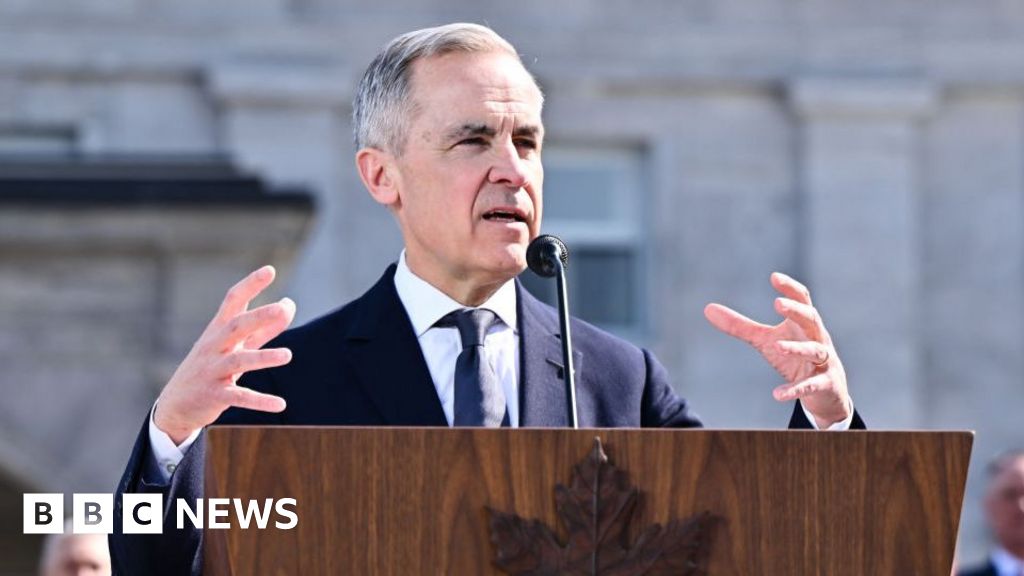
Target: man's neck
(471, 292)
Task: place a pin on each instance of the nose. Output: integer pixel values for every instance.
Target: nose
(508, 169)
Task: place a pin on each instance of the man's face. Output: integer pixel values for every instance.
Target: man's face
(469, 178)
(1004, 505)
(79, 555)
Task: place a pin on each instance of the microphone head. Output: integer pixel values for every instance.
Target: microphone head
(543, 253)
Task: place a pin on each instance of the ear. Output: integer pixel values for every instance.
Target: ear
(378, 171)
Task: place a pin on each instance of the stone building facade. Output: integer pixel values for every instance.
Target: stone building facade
(873, 149)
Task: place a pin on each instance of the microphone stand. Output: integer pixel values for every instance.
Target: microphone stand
(547, 256)
(563, 318)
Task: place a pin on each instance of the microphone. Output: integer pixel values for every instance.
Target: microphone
(544, 254)
(547, 256)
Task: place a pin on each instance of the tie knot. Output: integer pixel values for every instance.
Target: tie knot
(472, 323)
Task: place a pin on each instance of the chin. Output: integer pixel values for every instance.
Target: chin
(509, 261)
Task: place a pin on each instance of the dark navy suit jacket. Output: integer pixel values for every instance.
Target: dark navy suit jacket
(362, 365)
(985, 570)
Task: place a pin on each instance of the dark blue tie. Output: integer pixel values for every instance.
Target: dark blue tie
(479, 399)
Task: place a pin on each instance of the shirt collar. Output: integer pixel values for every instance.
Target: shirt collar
(1006, 563)
(425, 304)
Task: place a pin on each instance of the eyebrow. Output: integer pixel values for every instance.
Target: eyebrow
(469, 129)
(527, 130)
(480, 129)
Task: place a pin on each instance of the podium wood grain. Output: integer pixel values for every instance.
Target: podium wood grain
(411, 500)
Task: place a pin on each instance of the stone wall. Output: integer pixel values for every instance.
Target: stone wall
(872, 149)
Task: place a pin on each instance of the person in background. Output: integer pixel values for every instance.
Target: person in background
(71, 554)
(1004, 510)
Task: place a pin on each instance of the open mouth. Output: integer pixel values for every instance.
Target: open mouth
(503, 216)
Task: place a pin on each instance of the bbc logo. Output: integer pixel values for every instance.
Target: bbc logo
(92, 513)
(144, 513)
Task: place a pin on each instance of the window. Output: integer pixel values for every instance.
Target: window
(26, 140)
(593, 201)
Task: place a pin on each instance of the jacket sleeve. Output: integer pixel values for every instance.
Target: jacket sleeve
(661, 407)
(174, 552)
(799, 421)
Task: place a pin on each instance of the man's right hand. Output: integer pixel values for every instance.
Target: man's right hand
(204, 385)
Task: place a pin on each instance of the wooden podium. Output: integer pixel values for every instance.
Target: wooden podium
(431, 501)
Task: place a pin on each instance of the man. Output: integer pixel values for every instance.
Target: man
(1004, 509)
(449, 132)
(70, 554)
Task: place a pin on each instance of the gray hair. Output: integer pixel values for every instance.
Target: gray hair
(383, 103)
(1004, 460)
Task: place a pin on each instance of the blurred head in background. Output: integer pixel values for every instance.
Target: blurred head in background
(1004, 501)
(72, 554)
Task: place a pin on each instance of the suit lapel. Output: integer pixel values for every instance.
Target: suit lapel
(388, 360)
(543, 399)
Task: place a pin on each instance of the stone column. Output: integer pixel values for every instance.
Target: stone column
(858, 234)
(287, 122)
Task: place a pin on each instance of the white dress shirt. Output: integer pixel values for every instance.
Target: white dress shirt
(425, 305)
(1006, 564)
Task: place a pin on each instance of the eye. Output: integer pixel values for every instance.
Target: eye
(528, 143)
(475, 141)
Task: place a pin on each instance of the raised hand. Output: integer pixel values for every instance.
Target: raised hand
(204, 385)
(799, 348)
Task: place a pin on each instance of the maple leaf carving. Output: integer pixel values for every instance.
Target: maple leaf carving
(596, 509)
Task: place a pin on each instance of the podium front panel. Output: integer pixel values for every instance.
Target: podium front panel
(413, 500)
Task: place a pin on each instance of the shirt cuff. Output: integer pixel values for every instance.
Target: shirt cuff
(166, 454)
(841, 425)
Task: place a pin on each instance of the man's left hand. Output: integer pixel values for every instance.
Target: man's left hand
(799, 348)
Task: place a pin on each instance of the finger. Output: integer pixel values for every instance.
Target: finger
(238, 296)
(244, 361)
(733, 323)
(815, 383)
(804, 315)
(790, 288)
(242, 397)
(259, 338)
(270, 318)
(814, 352)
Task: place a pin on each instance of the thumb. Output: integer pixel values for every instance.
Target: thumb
(733, 323)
